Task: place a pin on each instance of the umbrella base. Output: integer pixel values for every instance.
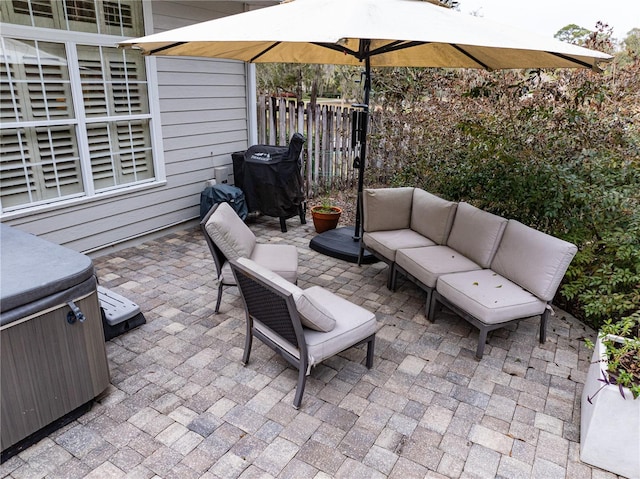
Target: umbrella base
(339, 243)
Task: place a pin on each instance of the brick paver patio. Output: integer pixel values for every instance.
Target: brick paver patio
(181, 404)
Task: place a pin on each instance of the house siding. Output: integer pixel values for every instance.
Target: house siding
(203, 118)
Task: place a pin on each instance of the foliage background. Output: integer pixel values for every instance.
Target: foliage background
(557, 150)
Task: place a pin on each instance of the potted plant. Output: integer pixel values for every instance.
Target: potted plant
(325, 216)
(610, 417)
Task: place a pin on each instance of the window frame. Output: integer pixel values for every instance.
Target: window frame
(70, 39)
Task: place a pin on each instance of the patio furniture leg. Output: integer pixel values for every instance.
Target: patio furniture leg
(433, 304)
(427, 304)
(248, 340)
(283, 224)
(302, 381)
(219, 298)
(391, 278)
(543, 325)
(370, 347)
(302, 211)
(482, 340)
(393, 273)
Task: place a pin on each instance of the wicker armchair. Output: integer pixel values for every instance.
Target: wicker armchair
(282, 316)
(229, 238)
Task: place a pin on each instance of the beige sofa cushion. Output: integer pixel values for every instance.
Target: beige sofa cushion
(229, 232)
(309, 303)
(387, 208)
(427, 264)
(387, 242)
(476, 233)
(533, 259)
(488, 296)
(432, 216)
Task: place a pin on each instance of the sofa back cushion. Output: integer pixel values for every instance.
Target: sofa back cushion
(387, 208)
(229, 232)
(476, 234)
(533, 259)
(432, 216)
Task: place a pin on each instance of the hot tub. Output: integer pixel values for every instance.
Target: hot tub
(53, 359)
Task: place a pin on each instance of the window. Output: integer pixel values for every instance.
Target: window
(114, 17)
(74, 109)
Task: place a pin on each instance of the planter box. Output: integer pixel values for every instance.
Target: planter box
(610, 424)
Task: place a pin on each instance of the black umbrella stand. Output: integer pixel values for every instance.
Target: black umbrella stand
(344, 243)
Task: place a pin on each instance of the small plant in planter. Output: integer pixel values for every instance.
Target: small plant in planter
(610, 406)
(325, 216)
(621, 341)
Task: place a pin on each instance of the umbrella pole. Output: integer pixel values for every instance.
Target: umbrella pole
(344, 243)
(363, 148)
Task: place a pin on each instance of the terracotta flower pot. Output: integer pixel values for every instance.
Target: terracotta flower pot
(324, 220)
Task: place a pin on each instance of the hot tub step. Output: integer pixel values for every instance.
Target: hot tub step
(119, 314)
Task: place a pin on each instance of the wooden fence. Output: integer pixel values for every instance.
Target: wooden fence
(328, 153)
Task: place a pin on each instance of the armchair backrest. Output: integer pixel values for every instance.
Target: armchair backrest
(218, 257)
(226, 234)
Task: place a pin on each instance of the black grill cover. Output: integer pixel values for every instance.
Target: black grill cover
(212, 195)
(272, 180)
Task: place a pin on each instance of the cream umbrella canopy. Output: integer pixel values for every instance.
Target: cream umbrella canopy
(347, 32)
(371, 33)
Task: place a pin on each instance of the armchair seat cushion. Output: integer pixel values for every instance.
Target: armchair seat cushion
(488, 296)
(279, 258)
(428, 263)
(353, 325)
(388, 242)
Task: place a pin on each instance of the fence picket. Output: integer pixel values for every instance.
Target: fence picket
(272, 128)
(317, 159)
(307, 161)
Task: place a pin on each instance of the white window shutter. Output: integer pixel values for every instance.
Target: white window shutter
(16, 173)
(102, 162)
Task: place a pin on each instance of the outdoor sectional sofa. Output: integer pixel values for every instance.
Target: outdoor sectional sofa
(489, 270)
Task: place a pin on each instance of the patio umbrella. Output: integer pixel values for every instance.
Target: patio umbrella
(371, 33)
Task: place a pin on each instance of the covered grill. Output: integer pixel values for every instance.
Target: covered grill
(271, 179)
